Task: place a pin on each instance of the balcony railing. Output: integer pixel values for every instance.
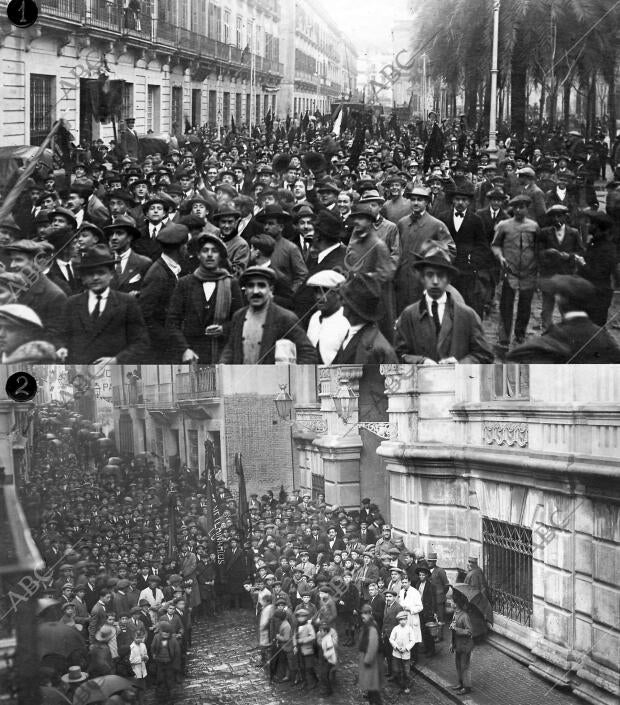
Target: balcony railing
(197, 384)
(158, 396)
(130, 394)
(107, 15)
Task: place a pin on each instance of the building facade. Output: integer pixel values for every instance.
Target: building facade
(170, 411)
(320, 61)
(517, 465)
(179, 61)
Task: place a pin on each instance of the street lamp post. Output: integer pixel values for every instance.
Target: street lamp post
(494, 71)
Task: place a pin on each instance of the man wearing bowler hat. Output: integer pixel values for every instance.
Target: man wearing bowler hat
(157, 288)
(101, 324)
(438, 329)
(129, 267)
(203, 304)
(474, 259)
(257, 328)
(576, 339)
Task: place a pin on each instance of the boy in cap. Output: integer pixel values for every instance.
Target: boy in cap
(402, 640)
(328, 327)
(166, 654)
(305, 637)
(327, 657)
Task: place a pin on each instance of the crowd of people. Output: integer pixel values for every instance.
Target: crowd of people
(133, 558)
(312, 247)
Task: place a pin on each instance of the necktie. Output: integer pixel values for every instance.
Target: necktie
(97, 309)
(70, 277)
(117, 266)
(405, 594)
(154, 231)
(459, 215)
(435, 314)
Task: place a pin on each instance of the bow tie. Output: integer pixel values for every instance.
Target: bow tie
(459, 215)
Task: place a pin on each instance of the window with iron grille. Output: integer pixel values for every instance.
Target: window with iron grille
(196, 104)
(176, 116)
(41, 107)
(125, 433)
(152, 108)
(238, 113)
(511, 382)
(318, 485)
(507, 565)
(192, 439)
(226, 109)
(212, 108)
(127, 106)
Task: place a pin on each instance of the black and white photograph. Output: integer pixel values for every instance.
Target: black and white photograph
(301, 534)
(185, 181)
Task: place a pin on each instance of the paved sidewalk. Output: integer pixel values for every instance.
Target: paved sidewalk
(497, 679)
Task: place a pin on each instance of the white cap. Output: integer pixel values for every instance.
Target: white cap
(21, 314)
(326, 279)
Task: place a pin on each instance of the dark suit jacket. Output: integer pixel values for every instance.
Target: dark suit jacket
(48, 301)
(119, 332)
(56, 276)
(131, 279)
(473, 250)
(488, 223)
(368, 347)
(190, 313)
(461, 335)
(279, 324)
(563, 260)
(429, 605)
(157, 287)
(146, 245)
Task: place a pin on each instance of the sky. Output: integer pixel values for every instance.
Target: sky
(368, 23)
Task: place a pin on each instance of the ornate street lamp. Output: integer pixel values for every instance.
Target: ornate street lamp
(343, 402)
(284, 404)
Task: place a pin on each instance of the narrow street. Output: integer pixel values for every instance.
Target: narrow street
(222, 670)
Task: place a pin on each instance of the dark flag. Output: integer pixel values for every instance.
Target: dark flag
(214, 519)
(233, 127)
(62, 147)
(172, 526)
(245, 525)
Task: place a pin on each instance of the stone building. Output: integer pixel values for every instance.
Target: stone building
(517, 465)
(320, 61)
(178, 60)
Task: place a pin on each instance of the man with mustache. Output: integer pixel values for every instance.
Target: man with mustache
(257, 327)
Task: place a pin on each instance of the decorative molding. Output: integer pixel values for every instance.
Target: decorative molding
(505, 434)
(383, 429)
(315, 422)
(31, 34)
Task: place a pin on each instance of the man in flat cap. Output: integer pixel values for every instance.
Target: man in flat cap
(328, 326)
(258, 328)
(515, 247)
(528, 187)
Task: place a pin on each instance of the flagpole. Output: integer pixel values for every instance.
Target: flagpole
(252, 97)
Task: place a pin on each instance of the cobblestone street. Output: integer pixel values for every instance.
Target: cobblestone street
(222, 670)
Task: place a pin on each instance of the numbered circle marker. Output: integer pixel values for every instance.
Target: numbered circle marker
(21, 386)
(22, 13)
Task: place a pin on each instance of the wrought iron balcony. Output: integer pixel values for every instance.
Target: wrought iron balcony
(130, 394)
(142, 28)
(198, 384)
(159, 396)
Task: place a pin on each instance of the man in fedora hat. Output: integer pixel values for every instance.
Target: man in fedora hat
(226, 218)
(440, 585)
(129, 138)
(257, 328)
(514, 245)
(328, 327)
(364, 344)
(286, 256)
(203, 304)
(474, 259)
(415, 230)
(576, 339)
(129, 267)
(438, 328)
(101, 324)
(157, 287)
(40, 294)
(560, 251)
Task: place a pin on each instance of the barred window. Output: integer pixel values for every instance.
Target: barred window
(125, 432)
(41, 107)
(318, 485)
(192, 438)
(507, 565)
